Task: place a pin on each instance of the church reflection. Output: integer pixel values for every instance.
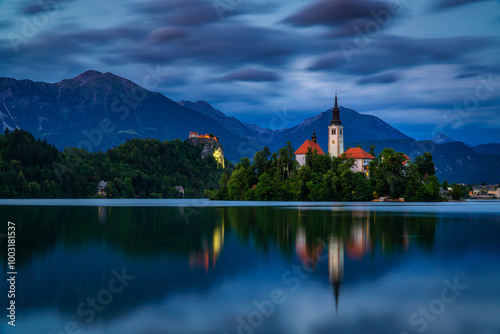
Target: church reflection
(307, 254)
(336, 265)
(344, 246)
(359, 243)
(356, 235)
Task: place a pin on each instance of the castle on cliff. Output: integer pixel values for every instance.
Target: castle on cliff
(211, 146)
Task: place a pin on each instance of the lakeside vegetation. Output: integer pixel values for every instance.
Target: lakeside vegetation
(149, 168)
(279, 177)
(146, 168)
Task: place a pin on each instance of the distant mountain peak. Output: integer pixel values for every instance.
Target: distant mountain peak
(87, 76)
(441, 138)
(204, 107)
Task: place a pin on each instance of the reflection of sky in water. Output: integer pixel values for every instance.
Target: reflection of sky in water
(176, 292)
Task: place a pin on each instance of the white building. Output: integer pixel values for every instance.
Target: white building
(300, 154)
(361, 159)
(336, 133)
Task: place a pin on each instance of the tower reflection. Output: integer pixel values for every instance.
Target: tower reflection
(336, 265)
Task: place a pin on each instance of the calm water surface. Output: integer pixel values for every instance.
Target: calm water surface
(217, 267)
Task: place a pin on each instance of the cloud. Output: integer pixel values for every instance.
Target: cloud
(223, 47)
(444, 4)
(335, 13)
(180, 12)
(250, 75)
(386, 78)
(470, 71)
(166, 34)
(42, 6)
(272, 36)
(397, 52)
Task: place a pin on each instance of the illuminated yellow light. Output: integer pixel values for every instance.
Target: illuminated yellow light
(219, 156)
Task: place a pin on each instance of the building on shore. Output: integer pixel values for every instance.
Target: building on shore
(335, 139)
(361, 158)
(300, 154)
(101, 188)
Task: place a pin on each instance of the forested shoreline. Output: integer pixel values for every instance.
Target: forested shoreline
(145, 168)
(279, 177)
(149, 168)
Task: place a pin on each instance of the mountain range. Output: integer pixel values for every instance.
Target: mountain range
(441, 138)
(97, 111)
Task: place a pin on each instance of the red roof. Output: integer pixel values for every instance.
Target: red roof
(358, 153)
(407, 158)
(309, 143)
(193, 133)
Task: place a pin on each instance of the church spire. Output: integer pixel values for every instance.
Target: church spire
(336, 113)
(314, 138)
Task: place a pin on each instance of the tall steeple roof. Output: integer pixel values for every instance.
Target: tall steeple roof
(336, 113)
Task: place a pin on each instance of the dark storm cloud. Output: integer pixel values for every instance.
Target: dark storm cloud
(223, 47)
(67, 46)
(181, 12)
(386, 78)
(469, 71)
(250, 75)
(201, 12)
(335, 13)
(443, 4)
(166, 34)
(190, 37)
(396, 52)
(33, 7)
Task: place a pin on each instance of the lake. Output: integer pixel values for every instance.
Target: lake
(196, 266)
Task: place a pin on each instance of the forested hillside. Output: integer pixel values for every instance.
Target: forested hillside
(146, 168)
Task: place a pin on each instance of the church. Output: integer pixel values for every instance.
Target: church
(335, 145)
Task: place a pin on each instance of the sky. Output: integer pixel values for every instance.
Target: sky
(423, 66)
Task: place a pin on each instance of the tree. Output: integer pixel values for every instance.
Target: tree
(457, 192)
(372, 150)
(238, 183)
(425, 164)
(286, 161)
(362, 191)
(347, 184)
(261, 161)
(264, 190)
(389, 174)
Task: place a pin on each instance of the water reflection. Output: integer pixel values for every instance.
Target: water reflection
(210, 250)
(217, 248)
(336, 265)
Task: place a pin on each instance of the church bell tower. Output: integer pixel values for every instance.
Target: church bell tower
(336, 132)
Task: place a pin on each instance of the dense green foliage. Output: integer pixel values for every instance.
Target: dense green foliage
(147, 168)
(278, 176)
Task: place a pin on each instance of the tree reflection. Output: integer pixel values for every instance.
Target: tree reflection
(299, 234)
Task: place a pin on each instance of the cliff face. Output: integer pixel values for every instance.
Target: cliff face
(210, 148)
